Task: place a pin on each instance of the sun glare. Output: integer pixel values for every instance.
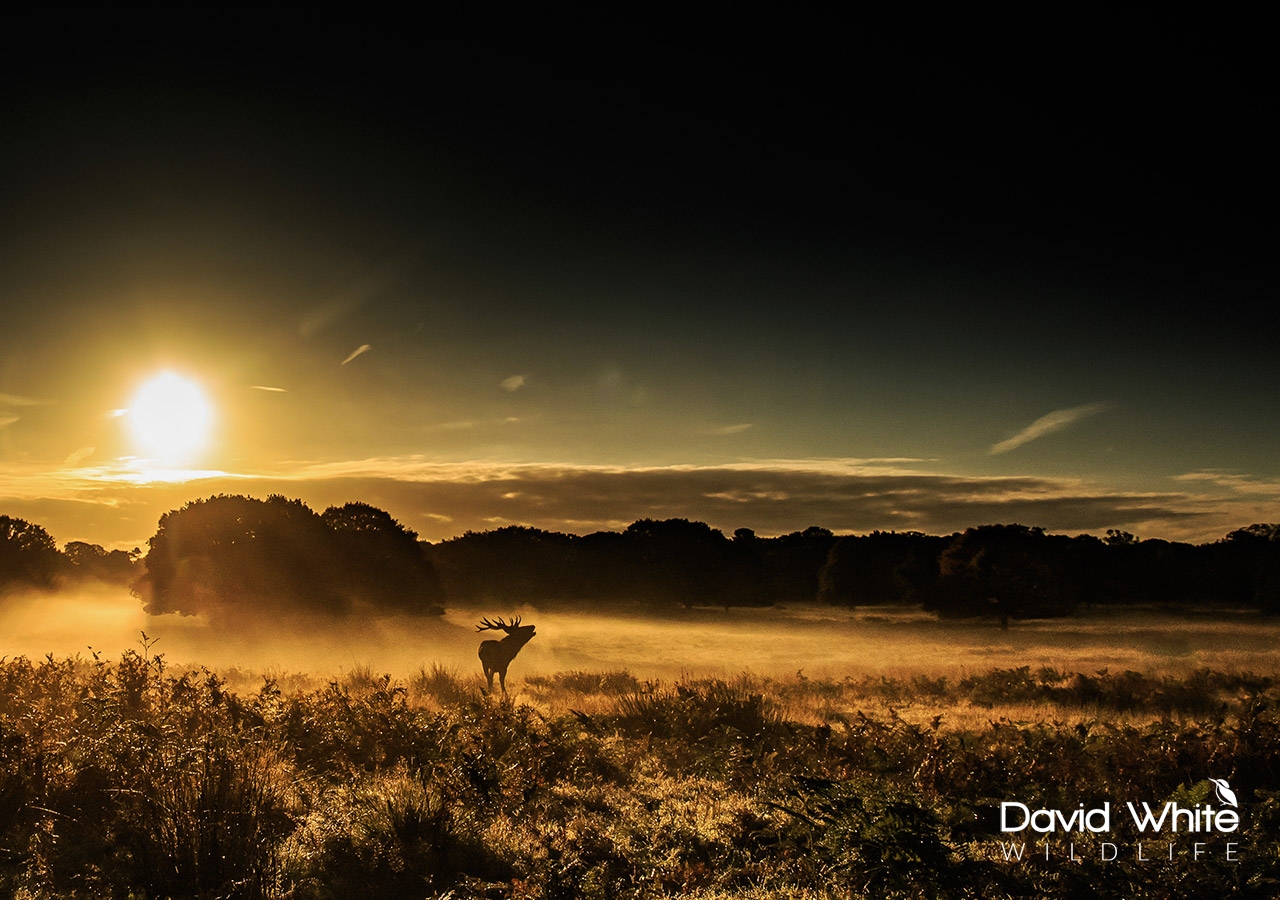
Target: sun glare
(170, 418)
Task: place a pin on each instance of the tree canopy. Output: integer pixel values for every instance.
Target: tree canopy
(28, 555)
(232, 554)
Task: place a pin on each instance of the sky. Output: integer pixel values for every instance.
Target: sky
(770, 274)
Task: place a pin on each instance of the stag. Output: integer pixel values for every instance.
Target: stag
(495, 656)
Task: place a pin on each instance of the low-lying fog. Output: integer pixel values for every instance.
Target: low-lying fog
(823, 642)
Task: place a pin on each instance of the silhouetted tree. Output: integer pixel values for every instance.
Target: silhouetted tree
(28, 555)
(1250, 558)
(92, 561)
(380, 561)
(881, 567)
(606, 569)
(1008, 571)
(1116, 538)
(749, 581)
(512, 562)
(795, 561)
(1171, 573)
(230, 555)
(680, 561)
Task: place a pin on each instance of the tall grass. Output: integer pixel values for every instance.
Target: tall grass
(127, 779)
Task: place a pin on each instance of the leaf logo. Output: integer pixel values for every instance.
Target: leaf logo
(1225, 794)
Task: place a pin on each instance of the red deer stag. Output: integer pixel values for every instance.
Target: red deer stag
(495, 656)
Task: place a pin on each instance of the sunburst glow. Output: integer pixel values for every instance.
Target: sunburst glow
(170, 418)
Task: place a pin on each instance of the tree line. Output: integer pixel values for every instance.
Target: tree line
(1002, 571)
(29, 557)
(231, 554)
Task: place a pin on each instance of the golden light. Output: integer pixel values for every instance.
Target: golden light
(170, 418)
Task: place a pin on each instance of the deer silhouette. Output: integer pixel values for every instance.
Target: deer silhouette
(495, 656)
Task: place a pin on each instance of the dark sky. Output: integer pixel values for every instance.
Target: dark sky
(1012, 247)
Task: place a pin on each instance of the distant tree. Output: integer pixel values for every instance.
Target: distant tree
(795, 562)
(606, 569)
(92, 561)
(881, 567)
(1007, 571)
(1251, 558)
(1172, 573)
(748, 580)
(1116, 538)
(381, 561)
(680, 561)
(28, 555)
(514, 562)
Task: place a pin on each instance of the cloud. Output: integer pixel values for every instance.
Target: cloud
(19, 400)
(1233, 481)
(769, 496)
(363, 348)
(321, 317)
(7, 420)
(470, 424)
(729, 430)
(278, 390)
(78, 456)
(441, 499)
(1048, 424)
(514, 383)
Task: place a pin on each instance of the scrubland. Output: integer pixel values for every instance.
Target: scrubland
(130, 777)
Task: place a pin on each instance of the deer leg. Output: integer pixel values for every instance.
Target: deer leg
(502, 679)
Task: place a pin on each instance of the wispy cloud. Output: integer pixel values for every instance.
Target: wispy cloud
(1057, 420)
(78, 456)
(469, 424)
(20, 400)
(363, 348)
(729, 430)
(514, 383)
(7, 420)
(276, 390)
(1233, 481)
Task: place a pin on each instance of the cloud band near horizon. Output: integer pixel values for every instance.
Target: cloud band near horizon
(443, 500)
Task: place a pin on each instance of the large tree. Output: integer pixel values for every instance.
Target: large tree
(229, 555)
(28, 555)
(381, 561)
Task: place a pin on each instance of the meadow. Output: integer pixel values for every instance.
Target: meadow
(821, 641)
(711, 754)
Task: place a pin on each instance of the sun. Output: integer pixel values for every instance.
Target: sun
(170, 418)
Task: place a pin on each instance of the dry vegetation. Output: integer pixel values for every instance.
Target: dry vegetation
(131, 779)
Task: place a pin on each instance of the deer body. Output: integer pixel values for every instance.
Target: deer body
(495, 656)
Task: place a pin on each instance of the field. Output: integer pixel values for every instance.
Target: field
(712, 754)
(820, 641)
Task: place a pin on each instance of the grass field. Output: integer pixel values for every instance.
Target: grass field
(793, 753)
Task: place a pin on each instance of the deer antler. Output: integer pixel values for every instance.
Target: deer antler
(486, 625)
